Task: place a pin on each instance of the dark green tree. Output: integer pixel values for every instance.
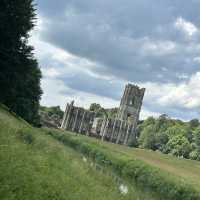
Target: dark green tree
(100, 111)
(197, 138)
(19, 72)
(95, 107)
(147, 138)
(161, 139)
(193, 123)
(54, 110)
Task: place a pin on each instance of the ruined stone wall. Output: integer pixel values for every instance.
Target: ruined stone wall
(120, 130)
(116, 131)
(77, 119)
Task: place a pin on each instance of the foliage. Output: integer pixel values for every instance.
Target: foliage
(95, 107)
(34, 166)
(197, 138)
(179, 146)
(100, 111)
(134, 170)
(44, 169)
(195, 155)
(194, 123)
(52, 110)
(147, 138)
(170, 136)
(25, 137)
(112, 112)
(19, 72)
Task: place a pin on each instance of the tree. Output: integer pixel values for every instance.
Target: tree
(54, 110)
(179, 146)
(194, 123)
(162, 123)
(100, 111)
(176, 130)
(161, 139)
(19, 72)
(195, 155)
(147, 138)
(197, 138)
(112, 112)
(95, 107)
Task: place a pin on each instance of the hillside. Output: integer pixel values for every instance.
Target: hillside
(35, 166)
(53, 164)
(189, 170)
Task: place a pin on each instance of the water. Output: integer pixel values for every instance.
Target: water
(128, 190)
(123, 189)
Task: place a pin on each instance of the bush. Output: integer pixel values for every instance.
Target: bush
(25, 137)
(179, 146)
(195, 155)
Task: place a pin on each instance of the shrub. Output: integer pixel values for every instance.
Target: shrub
(195, 155)
(25, 137)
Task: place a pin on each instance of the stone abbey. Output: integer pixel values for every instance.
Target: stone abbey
(120, 129)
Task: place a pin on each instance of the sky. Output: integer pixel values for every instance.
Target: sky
(88, 50)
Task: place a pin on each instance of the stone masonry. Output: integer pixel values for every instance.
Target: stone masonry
(122, 128)
(77, 119)
(119, 130)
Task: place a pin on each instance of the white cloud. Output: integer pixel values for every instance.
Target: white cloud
(146, 113)
(57, 93)
(185, 26)
(53, 93)
(184, 95)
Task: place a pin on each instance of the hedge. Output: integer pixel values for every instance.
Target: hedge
(165, 185)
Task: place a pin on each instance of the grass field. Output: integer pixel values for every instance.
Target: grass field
(35, 166)
(183, 168)
(44, 164)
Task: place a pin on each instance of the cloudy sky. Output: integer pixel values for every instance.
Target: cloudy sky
(89, 49)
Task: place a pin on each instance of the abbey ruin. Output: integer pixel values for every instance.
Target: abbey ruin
(120, 130)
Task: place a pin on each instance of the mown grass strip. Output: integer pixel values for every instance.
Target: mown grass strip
(136, 171)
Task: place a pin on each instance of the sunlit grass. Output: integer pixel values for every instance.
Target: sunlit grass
(35, 166)
(188, 169)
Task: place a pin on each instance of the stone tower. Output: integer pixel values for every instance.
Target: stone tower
(131, 103)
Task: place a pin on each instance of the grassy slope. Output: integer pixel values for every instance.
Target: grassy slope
(169, 177)
(183, 168)
(36, 166)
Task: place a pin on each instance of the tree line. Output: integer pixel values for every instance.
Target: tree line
(19, 72)
(170, 136)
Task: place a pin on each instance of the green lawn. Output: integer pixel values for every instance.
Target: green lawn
(35, 166)
(51, 164)
(183, 168)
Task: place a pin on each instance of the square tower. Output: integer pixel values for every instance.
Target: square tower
(131, 103)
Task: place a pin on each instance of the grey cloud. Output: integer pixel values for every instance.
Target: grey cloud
(88, 84)
(112, 33)
(130, 39)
